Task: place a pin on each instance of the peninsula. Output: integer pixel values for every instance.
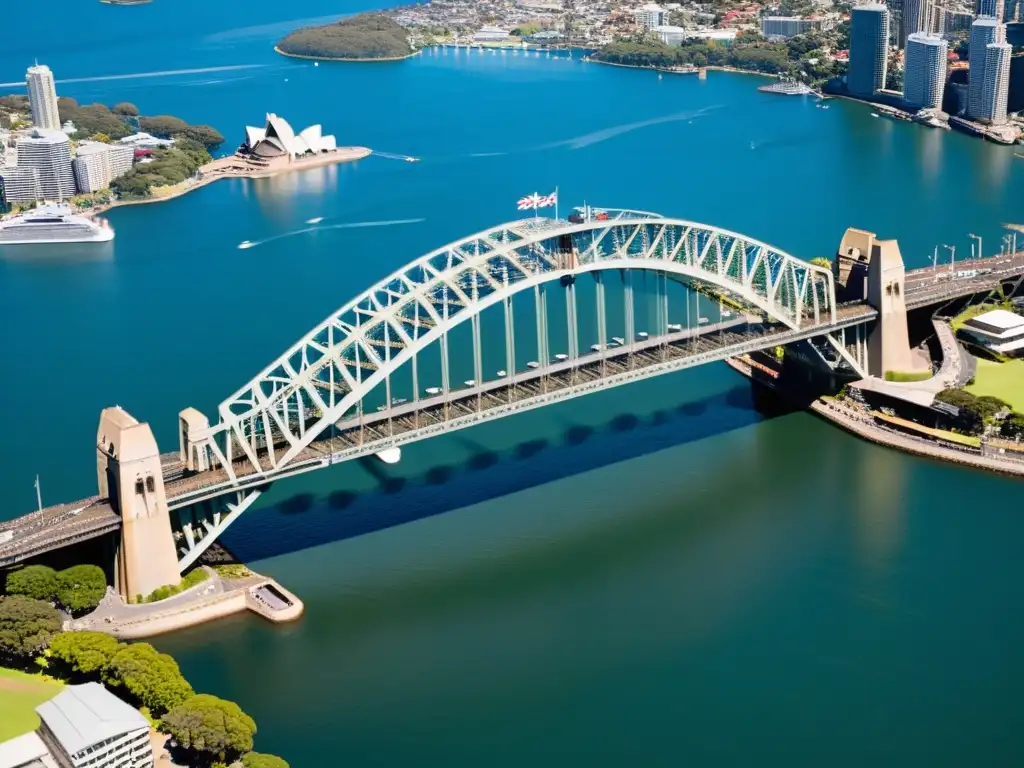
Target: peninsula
(367, 37)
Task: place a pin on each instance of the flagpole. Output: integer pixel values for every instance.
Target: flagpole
(556, 202)
(39, 495)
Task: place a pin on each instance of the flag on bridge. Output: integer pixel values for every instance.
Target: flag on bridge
(535, 201)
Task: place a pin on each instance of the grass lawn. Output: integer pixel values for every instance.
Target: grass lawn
(1002, 380)
(20, 694)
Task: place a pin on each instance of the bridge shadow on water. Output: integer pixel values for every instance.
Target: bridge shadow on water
(305, 519)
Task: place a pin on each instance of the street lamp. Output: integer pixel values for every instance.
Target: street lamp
(978, 238)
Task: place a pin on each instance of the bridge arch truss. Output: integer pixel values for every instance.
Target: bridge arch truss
(325, 376)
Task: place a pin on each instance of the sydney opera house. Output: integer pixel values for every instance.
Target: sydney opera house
(277, 144)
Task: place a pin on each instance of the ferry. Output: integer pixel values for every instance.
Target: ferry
(54, 224)
(246, 244)
(315, 220)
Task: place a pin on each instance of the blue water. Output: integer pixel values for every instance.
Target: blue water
(650, 574)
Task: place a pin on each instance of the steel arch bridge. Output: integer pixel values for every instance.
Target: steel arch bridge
(265, 429)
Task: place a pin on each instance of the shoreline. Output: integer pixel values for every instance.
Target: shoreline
(417, 52)
(226, 168)
(862, 426)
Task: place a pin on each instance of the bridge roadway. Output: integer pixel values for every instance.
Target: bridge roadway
(64, 524)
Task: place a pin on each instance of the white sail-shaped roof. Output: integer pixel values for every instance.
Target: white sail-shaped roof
(279, 138)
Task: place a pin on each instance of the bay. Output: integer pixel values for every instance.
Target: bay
(654, 573)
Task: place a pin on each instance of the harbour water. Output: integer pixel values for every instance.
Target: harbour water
(658, 573)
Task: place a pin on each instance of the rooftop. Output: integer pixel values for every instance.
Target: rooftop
(998, 319)
(83, 715)
(26, 751)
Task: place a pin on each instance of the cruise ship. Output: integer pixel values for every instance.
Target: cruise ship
(53, 224)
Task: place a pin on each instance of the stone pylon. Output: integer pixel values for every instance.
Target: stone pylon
(129, 474)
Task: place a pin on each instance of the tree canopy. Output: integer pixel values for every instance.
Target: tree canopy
(81, 587)
(213, 727)
(92, 119)
(261, 760)
(125, 108)
(366, 36)
(150, 677)
(26, 626)
(86, 653)
(36, 581)
(169, 166)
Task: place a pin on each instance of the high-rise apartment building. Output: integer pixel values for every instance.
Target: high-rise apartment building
(993, 8)
(97, 164)
(913, 19)
(49, 152)
(984, 30)
(42, 97)
(651, 16)
(925, 77)
(869, 49)
(996, 87)
(21, 185)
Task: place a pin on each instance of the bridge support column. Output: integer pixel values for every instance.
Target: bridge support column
(129, 474)
(872, 270)
(192, 452)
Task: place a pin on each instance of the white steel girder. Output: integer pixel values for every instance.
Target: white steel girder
(328, 372)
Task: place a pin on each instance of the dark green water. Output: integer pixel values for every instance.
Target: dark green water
(655, 574)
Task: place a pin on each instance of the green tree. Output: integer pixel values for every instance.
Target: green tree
(164, 126)
(150, 677)
(85, 653)
(101, 137)
(988, 406)
(209, 137)
(125, 108)
(80, 588)
(212, 727)
(261, 760)
(26, 627)
(36, 581)
(821, 261)
(1013, 425)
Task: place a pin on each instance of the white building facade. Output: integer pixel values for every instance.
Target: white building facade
(996, 88)
(49, 152)
(42, 97)
(869, 49)
(21, 185)
(651, 16)
(788, 26)
(925, 77)
(984, 31)
(86, 726)
(96, 164)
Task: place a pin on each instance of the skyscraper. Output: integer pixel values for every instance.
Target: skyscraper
(42, 97)
(984, 30)
(49, 152)
(993, 8)
(869, 49)
(996, 87)
(913, 19)
(925, 77)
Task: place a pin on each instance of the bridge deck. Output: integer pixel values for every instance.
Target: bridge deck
(930, 286)
(55, 527)
(355, 435)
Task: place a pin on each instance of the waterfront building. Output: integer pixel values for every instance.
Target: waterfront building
(277, 140)
(996, 88)
(993, 8)
(487, 34)
(651, 16)
(49, 152)
(21, 185)
(26, 751)
(96, 164)
(869, 49)
(984, 30)
(925, 75)
(86, 725)
(999, 330)
(42, 97)
(784, 27)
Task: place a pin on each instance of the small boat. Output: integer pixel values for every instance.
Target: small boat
(470, 382)
(412, 159)
(726, 313)
(618, 340)
(817, 106)
(502, 373)
(399, 401)
(246, 244)
(675, 327)
(316, 63)
(642, 335)
(315, 220)
(703, 320)
(561, 356)
(825, 107)
(659, 75)
(874, 114)
(533, 364)
(433, 390)
(595, 347)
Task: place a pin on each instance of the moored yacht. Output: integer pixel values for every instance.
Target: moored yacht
(53, 224)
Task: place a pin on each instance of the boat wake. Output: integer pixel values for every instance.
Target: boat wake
(488, 154)
(393, 156)
(349, 225)
(596, 137)
(161, 73)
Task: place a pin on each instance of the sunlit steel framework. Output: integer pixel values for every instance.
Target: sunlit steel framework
(330, 370)
(323, 381)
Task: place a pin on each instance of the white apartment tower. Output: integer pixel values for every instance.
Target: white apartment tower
(869, 49)
(42, 97)
(996, 87)
(651, 16)
(925, 77)
(984, 31)
(96, 164)
(49, 152)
